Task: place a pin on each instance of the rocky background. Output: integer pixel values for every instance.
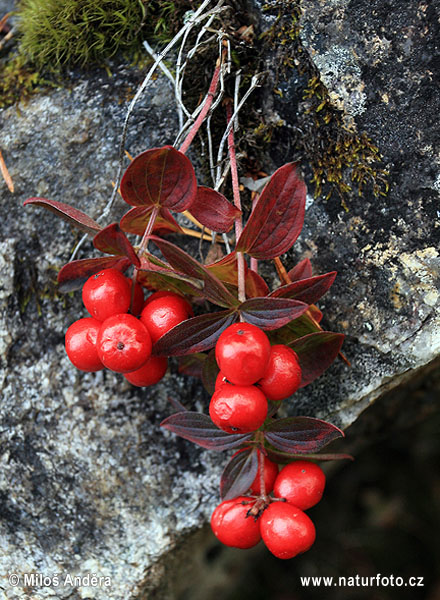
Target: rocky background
(88, 483)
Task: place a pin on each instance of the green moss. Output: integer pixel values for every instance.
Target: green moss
(18, 80)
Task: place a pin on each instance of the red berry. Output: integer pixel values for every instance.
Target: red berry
(231, 525)
(220, 380)
(286, 530)
(270, 474)
(301, 483)
(163, 312)
(138, 298)
(106, 293)
(238, 408)
(150, 373)
(242, 352)
(283, 375)
(81, 344)
(123, 343)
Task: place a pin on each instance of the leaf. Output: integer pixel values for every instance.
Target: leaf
(316, 352)
(213, 210)
(294, 330)
(307, 290)
(136, 220)
(255, 284)
(112, 240)
(161, 177)
(213, 288)
(315, 313)
(271, 313)
(194, 335)
(209, 372)
(285, 458)
(277, 219)
(303, 270)
(158, 275)
(73, 275)
(192, 364)
(200, 430)
(301, 435)
(239, 474)
(226, 269)
(72, 215)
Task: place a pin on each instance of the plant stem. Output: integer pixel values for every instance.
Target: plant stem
(208, 102)
(254, 261)
(143, 246)
(237, 203)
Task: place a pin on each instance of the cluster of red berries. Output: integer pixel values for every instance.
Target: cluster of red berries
(280, 521)
(120, 340)
(251, 372)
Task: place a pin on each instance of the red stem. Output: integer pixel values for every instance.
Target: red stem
(254, 261)
(208, 102)
(237, 203)
(148, 230)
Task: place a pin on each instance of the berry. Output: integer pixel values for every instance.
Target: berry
(238, 408)
(138, 298)
(283, 375)
(286, 530)
(220, 380)
(123, 343)
(232, 526)
(163, 312)
(242, 352)
(106, 293)
(81, 344)
(150, 373)
(270, 474)
(301, 483)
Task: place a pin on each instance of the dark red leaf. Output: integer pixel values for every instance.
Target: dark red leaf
(303, 270)
(271, 313)
(213, 288)
(162, 177)
(158, 275)
(209, 372)
(226, 270)
(316, 352)
(239, 474)
(192, 364)
(72, 215)
(200, 430)
(73, 275)
(295, 329)
(194, 335)
(277, 219)
(315, 313)
(284, 458)
(136, 220)
(301, 435)
(255, 285)
(112, 240)
(307, 290)
(213, 210)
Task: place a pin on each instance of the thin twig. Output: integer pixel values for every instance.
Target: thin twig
(6, 176)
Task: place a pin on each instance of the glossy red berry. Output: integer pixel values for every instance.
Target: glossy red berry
(232, 526)
(242, 353)
(106, 293)
(301, 483)
(283, 374)
(238, 408)
(270, 474)
(220, 380)
(80, 344)
(150, 373)
(123, 343)
(138, 298)
(286, 530)
(163, 312)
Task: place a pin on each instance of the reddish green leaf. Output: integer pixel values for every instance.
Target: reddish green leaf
(255, 285)
(315, 313)
(239, 474)
(213, 288)
(209, 372)
(316, 352)
(136, 220)
(271, 313)
(303, 270)
(226, 270)
(284, 458)
(277, 219)
(192, 364)
(112, 240)
(307, 290)
(301, 435)
(73, 275)
(72, 215)
(294, 330)
(200, 430)
(213, 210)
(155, 274)
(194, 335)
(161, 177)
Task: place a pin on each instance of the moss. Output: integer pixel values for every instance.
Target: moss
(18, 80)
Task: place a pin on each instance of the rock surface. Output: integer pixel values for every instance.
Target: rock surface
(88, 483)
